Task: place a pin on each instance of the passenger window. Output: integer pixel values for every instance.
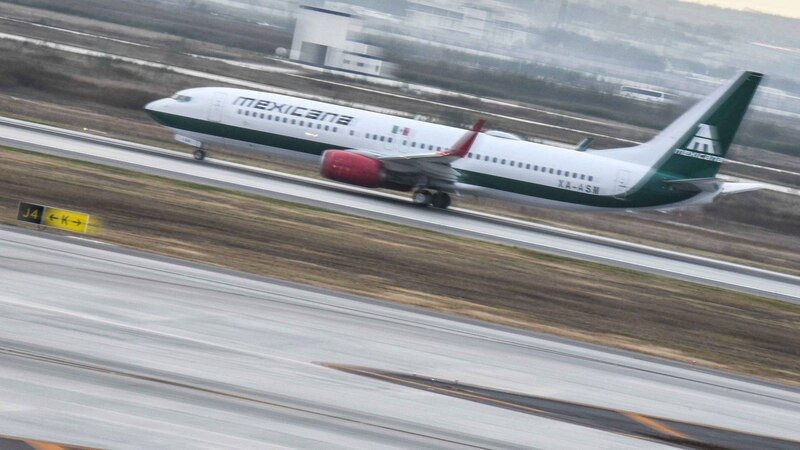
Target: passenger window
(293, 121)
(383, 138)
(485, 158)
(239, 112)
(413, 144)
(494, 160)
(551, 170)
(319, 126)
(247, 113)
(430, 146)
(566, 174)
(583, 177)
(405, 143)
(574, 175)
(469, 155)
(262, 115)
(527, 166)
(335, 129)
(390, 140)
(559, 172)
(591, 178)
(302, 123)
(352, 132)
(503, 162)
(326, 127)
(285, 120)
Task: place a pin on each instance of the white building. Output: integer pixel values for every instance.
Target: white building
(489, 22)
(327, 38)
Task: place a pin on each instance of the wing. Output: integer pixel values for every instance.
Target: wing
(434, 167)
(459, 149)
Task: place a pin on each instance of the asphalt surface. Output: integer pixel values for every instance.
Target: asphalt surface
(380, 206)
(623, 422)
(107, 348)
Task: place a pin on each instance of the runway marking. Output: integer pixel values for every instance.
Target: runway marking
(598, 417)
(479, 397)
(44, 445)
(653, 425)
(18, 442)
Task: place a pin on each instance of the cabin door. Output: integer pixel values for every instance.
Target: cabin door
(216, 108)
(622, 184)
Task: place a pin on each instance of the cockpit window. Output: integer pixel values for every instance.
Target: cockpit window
(182, 98)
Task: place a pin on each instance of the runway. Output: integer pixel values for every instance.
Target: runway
(107, 348)
(371, 204)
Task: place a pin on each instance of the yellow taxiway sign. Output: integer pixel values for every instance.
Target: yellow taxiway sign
(54, 217)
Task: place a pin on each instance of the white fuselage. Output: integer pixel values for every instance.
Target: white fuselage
(294, 121)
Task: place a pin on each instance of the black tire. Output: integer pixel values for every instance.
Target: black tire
(441, 200)
(199, 154)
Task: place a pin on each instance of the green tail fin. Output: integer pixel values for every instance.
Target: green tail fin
(699, 140)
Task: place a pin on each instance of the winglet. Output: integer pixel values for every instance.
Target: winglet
(463, 145)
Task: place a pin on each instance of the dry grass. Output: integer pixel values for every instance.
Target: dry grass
(502, 284)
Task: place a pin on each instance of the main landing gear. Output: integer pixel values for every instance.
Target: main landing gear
(438, 199)
(199, 154)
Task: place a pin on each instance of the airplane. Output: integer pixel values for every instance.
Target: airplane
(676, 168)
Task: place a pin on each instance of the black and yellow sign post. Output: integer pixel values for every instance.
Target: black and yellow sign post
(53, 217)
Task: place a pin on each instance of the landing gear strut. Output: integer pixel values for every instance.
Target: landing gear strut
(199, 154)
(423, 197)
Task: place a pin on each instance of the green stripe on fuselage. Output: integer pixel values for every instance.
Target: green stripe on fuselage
(240, 134)
(651, 194)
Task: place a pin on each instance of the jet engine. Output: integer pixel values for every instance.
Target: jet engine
(352, 168)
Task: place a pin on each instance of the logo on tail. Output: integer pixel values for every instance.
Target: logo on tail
(703, 145)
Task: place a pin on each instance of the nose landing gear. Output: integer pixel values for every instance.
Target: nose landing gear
(199, 154)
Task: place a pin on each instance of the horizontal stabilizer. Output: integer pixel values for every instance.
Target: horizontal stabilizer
(696, 185)
(714, 185)
(735, 188)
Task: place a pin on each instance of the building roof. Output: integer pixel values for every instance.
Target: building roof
(325, 11)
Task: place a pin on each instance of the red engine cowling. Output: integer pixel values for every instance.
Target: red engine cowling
(352, 168)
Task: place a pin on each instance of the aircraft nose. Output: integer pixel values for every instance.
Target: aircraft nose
(155, 105)
(156, 108)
